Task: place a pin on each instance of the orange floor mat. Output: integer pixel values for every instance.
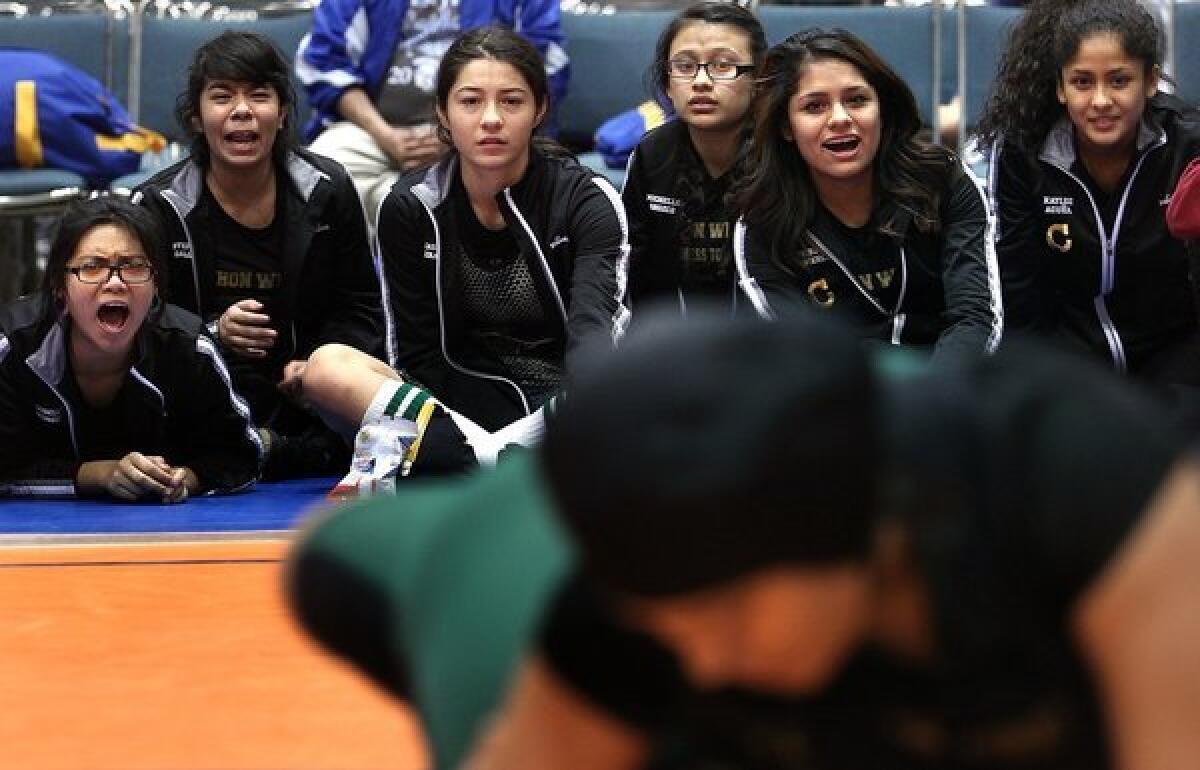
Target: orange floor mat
(176, 655)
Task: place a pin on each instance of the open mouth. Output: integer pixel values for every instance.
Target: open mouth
(843, 145)
(113, 316)
(241, 137)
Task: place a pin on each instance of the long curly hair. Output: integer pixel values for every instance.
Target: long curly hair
(777, 196)
(690, 186)
(1023, 105)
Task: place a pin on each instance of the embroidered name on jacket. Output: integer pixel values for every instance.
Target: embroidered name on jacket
(249, 279)
(181, 250)
(1058, 204)
(809, 256)
(48, 414)
(431, 251)
(663, 204)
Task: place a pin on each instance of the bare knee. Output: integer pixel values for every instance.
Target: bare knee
(341, 381)
(325, 369)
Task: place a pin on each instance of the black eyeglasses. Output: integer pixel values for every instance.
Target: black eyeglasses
(101, 272)
(687, 69)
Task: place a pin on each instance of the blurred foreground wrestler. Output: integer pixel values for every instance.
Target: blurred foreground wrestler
(792, 553)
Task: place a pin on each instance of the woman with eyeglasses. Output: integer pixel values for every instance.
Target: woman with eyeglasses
(105, 390)
(846, 209)
(680, 173)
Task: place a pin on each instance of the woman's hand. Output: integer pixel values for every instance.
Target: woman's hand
(243, 329)
(411, 147)
(136, 477)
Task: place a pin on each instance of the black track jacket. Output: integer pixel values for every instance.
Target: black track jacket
(569, 225)
(949, 292)
(1117, 284)
(332, 284)
(177, 402)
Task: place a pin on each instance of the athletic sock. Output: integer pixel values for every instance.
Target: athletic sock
(396, 425)
(388, 439)
(478, 439)
(398, 401)
(527, 431)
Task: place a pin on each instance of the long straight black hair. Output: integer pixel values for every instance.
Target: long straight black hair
(689, 186)
(501, 44)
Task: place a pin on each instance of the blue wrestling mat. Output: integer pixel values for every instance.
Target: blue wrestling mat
(268, 507)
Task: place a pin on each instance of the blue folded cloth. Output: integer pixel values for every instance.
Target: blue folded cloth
(617, 136)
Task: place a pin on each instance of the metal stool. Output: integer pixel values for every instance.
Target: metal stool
(25, 195)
